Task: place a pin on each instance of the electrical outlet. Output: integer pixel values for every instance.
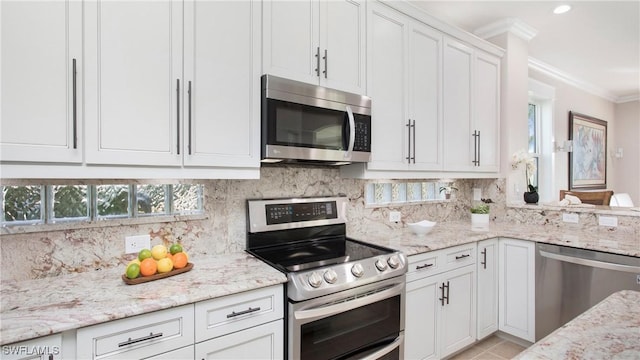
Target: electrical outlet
(395, 216)
(571, 218)
(477, 194)
(133, 244)
(611, 221)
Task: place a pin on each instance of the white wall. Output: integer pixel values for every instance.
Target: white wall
(569, 98)
(627, 168)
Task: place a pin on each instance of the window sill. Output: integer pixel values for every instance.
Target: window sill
(61, 226)
(598, 209)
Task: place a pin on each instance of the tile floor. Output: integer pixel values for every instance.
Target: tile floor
(491, 348)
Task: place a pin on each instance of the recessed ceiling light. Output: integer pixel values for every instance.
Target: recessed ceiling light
(561, 9)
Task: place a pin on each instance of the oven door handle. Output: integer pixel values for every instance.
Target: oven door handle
(326, 311)
(385, 350)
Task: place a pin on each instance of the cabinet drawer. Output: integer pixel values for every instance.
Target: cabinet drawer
(459, 256)
(422, 265)
(232, 313)
(138, 336)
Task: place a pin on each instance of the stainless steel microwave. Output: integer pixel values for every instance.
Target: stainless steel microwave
(313, 124)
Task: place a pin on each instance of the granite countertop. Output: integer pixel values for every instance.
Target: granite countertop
(447, 234)
(609, 330)
(41, 307)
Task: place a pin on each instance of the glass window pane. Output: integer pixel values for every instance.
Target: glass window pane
(112, 200)
(69, 201)
(151, 199)
(22, 203)
(187, 198)
(532, 129)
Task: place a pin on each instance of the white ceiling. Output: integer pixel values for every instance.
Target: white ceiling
(597, 43)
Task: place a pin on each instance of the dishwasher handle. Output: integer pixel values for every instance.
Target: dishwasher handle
(592, 263)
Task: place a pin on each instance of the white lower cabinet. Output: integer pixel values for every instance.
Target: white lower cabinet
(440, 302)
(265, 341)
(42, 348)
(185, 353)
(516, 286)
(140, 336)
(487, 272)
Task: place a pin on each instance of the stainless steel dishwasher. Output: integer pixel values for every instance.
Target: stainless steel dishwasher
(570, 281)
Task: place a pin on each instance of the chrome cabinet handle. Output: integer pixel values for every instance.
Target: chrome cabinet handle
(462, 256)
(75, 104)
(318, 61)
(478, 160)
(325, 64)
(413, 127)
(248, 311)
(178, 114)
(189, 118)
(442, 292)
(408, 141)
(144, 338)
(419, 267)
(484, 256)
(475, 148)
(447, 286)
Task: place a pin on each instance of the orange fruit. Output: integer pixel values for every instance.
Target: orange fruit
(169, 256)
(180, 260)
(148, 267)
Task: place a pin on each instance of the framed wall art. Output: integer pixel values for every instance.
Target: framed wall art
(588, 160)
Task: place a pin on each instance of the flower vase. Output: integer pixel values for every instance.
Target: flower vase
(531, 197)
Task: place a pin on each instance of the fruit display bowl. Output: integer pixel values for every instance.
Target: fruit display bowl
(143, 279)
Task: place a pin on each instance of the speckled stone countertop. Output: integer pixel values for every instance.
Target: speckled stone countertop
(41, 307)
(609, 330)
(449, 234)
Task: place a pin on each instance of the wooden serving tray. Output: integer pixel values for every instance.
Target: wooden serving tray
(143, 279)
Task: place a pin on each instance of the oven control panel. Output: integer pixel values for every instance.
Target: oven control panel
(285, 214)
(305, 285)
(289, 213)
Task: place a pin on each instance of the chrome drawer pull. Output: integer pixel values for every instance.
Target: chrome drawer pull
(462, 256)
(249, 310)
(144, 338)
(423, 266)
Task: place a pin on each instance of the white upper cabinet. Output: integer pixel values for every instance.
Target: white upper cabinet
(317, 42)
(222, 83)
(41, 94)
(471, 109)
(133, 82)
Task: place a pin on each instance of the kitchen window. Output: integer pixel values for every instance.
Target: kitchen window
(50, 204)
(541, 139)
(399, 192)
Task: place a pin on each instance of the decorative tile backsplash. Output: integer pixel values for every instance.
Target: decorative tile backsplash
(223, 227)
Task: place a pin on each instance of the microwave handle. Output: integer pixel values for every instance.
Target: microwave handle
(352, 132)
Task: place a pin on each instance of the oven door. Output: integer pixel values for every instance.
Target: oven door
(366, 322)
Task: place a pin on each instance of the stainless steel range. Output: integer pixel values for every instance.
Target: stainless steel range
(345, 297)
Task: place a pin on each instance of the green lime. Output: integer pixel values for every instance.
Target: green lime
(175, 248)
(143, 254)
(133, 271)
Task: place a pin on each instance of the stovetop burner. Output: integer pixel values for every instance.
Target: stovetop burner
(306, 239)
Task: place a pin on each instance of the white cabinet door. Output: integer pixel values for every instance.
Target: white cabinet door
(133, 82)
(50, 349)
(41, 96)
(291, 41)
(516, 284)
(185, 353)
(457, 87)
(487, 111)
(487, 272)
(222, 83)
(425, 96)
(342, 45)
(387, 32)
(260, 342)
(458, 322)
(420, 325)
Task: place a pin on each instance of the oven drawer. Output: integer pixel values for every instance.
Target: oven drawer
(137, 336)
(439, 261)
(232, 313)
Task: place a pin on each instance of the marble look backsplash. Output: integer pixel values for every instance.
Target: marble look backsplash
(222, 229)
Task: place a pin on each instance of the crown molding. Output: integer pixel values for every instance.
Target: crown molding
(513, 25)
(558, 74)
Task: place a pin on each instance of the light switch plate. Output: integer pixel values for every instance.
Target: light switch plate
(395, 216)
(133, 244)
(477, 194)
(608, 221)
(571, 218)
